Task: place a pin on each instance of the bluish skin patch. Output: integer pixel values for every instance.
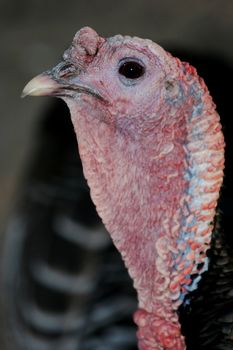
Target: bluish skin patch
(184, 235)
(179, 98)
(197, 110)
(195, 91)
(197, 94)
(191, 173)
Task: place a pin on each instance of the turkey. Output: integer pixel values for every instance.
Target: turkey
(169, 277)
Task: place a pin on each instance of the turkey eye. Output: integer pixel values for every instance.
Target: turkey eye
(131, 70)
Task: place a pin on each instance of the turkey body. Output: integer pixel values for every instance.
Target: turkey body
(66, 285)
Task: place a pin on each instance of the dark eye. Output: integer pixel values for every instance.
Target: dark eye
(131, 70)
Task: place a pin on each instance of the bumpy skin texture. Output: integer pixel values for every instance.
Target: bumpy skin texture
(153, 154)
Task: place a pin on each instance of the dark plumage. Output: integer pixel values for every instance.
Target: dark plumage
(208, 321)
(66, 285)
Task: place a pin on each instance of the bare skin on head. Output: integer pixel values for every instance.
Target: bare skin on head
(153, 155)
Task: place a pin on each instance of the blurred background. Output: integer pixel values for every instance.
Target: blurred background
(33, 37)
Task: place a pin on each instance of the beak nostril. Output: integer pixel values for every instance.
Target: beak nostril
(66, 70)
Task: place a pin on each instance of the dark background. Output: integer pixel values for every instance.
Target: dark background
(34, 34)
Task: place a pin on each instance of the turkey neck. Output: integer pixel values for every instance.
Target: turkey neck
(156, 193)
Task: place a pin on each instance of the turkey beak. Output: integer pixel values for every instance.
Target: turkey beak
(41, 85)
(51, 83)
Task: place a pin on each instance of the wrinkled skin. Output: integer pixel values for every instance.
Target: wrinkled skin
(152, 152)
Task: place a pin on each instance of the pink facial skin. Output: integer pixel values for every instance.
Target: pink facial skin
(153, 155)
